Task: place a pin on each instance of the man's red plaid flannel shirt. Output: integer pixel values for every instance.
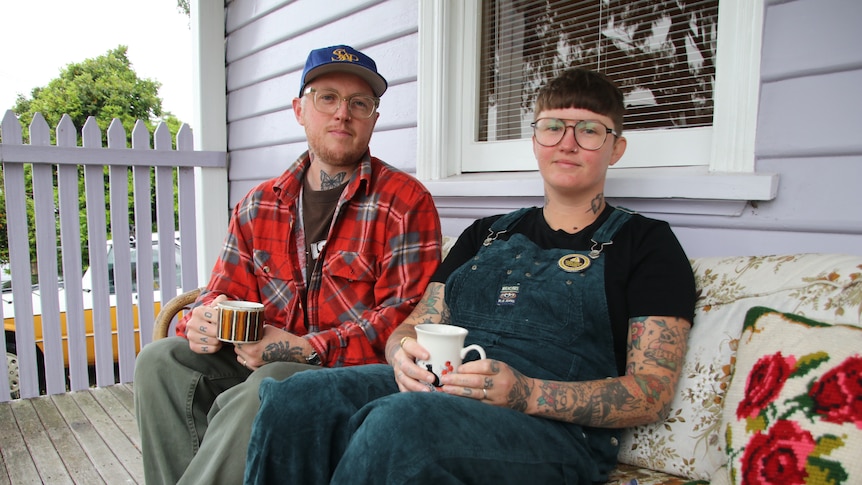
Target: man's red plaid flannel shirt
(382, 249)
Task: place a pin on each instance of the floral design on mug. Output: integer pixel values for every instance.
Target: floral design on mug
(436, 377)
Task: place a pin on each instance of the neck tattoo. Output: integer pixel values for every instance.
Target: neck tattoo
(597, 203)
(330, 182)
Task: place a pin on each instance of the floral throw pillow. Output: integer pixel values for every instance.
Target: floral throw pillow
(793, 412)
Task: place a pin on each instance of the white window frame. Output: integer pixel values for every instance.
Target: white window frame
(705, 163)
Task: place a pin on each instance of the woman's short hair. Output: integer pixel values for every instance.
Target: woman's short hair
(583, 89)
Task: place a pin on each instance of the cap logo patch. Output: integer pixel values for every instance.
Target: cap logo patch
(343, 55)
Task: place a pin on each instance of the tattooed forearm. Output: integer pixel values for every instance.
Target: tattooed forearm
(282, 352)
(597, 403)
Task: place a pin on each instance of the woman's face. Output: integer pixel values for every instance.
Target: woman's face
(568, 168)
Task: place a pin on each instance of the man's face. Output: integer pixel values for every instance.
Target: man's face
(566, 167)
(337, 139)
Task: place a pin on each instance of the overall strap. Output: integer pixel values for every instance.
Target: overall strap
(605, 233)
(503, 224)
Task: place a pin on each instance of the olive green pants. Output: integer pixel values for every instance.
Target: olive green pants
(195, 411)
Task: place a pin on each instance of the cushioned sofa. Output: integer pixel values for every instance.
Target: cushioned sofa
(771, 388)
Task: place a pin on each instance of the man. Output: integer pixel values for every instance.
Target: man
(339, 249)
(583, 310)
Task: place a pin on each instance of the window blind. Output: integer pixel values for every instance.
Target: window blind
(660, 53)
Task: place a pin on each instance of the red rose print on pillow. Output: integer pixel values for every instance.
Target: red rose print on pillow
(777, 457)
(837, 395)
(764, 383)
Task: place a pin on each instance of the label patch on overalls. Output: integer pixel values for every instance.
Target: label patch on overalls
(574, 263)
(508, 295)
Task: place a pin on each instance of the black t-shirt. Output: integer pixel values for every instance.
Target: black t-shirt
(646, 272)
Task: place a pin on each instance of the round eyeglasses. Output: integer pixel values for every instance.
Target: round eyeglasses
(328, 101)
(589, 134)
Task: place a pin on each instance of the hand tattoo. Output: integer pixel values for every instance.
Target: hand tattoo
(520, 392)
(282, 351)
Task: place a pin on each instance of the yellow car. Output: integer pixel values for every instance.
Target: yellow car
(9, 315)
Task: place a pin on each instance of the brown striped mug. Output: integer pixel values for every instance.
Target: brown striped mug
(240, 321)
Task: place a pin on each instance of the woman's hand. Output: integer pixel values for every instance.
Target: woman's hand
(202, 328)
(490, 381)
(408, 375)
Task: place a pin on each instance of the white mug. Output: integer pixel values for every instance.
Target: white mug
(445, 343)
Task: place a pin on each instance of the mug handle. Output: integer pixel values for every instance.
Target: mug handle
(475, 347)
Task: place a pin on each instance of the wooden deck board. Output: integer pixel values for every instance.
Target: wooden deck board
(83, 437)
(45, 456)
(77, 464)
(19, 465)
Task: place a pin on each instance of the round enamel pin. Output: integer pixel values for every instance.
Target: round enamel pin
(574, 263)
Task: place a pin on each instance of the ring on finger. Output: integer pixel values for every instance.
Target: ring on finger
(486, 393)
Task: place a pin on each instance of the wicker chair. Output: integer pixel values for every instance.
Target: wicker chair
(170, 310)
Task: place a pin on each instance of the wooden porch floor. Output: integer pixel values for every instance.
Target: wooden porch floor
(84, 437)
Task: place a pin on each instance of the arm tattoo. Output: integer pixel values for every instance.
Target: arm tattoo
(282, 351)
(653, 386)
(573, 403)
(327, 182)
(609, 400)
(665, 350)
(431, 299)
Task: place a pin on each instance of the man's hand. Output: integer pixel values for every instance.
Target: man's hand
(275, 346)
(202, 329)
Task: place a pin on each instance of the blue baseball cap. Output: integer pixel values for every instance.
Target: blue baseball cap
(342, 58)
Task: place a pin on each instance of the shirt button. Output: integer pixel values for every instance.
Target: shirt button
(615, 442)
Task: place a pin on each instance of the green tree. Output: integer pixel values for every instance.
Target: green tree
(105, 87)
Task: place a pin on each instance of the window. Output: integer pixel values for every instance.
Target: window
(661, 56)
(457, 120)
